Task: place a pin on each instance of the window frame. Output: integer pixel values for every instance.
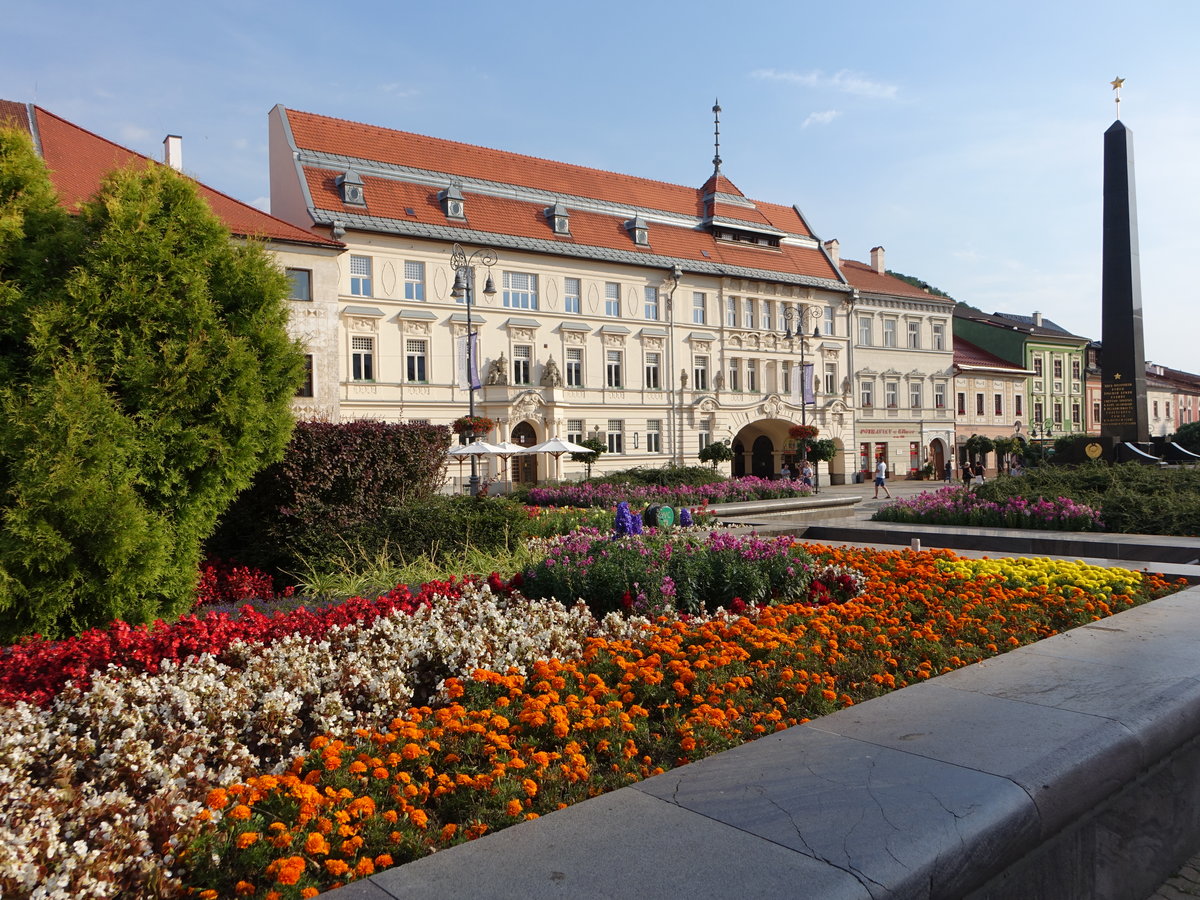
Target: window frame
(416, 364)
(362, 358)
(518, 297)
(614, 361)
(573, 299)
(522, 364)
(414, 287)
(362, 283)
(291, 272)
(573, 368)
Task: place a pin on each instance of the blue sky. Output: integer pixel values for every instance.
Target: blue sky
(964, 138)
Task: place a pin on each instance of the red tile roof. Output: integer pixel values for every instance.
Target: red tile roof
(391, 197)
(967, 354)
(78, 160)
(865, 278)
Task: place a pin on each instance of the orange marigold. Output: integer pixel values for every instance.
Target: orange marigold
(246, 839)
(336, 867)
(240, 812)
(514, 807)
(316, 844)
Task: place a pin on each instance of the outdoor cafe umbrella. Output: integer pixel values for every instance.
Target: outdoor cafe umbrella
(505, 449)
(556, 447)
(475, 448)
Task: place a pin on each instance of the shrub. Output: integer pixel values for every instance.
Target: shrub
(653, 572)
(334, 487)
(670, 475)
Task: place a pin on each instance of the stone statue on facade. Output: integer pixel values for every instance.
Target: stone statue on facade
(683, 378)
(551, 377)
(719, 381)
(498, 371)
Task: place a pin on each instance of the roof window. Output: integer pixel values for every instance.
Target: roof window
(451, 200)
(639, 231)
(350, 188)
(557, 216)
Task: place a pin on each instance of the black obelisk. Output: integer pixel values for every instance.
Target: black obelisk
(1123, 376)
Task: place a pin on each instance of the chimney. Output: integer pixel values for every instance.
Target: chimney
(832, 248)
(877, 260)
(173, 151)
(1037, 320)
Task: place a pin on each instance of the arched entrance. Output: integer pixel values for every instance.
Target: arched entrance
(937, 458)
(762, 457)
(739, 459)
(524, 465)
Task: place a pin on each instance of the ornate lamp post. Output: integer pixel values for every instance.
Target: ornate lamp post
(674, 277)
(464, 286)
(801, 315)
(1042, 431)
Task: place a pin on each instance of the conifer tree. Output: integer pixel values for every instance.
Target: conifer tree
(145, 376)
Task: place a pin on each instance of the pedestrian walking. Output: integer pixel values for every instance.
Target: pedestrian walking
(806, 473)
(977, 474)
(949, 472)
(881, 478)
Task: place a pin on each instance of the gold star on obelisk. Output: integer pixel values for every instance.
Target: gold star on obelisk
(1117, 376)
(1116, 86)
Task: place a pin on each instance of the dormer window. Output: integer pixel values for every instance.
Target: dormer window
(639, 231)
(350, 188)
(451, 200)
(556, 215)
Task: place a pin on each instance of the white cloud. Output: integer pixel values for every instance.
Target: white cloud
(844, 81)
(131, 134)
(396, 89)
(821, 118)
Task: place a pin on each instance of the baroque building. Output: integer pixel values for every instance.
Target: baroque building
(656, 317)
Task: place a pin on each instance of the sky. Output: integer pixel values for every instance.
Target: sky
(964, 138)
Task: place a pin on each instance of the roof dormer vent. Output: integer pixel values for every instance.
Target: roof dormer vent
(452, 203)
(556, 215)
(639, 231)
(350, 187)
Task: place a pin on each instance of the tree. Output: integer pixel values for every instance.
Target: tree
(716, 452)
(595, 448)
(822, 450)
(145, 376)
(979, 446)
(1006, 447)
(1188, 437)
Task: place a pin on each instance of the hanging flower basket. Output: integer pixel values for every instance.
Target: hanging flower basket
(803, 432)
(473, 425)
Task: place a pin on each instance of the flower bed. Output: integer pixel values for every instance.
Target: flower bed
(313, 760)
(608, 495)
(960, 506)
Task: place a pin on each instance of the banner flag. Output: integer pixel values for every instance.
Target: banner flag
(809, 395)
(467, 380)
(795, 381)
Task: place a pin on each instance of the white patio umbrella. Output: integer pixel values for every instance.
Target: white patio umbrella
(504, 450)
(556, 447)
(475, 448)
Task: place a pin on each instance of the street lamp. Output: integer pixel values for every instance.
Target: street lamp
(800, 315)
(1042, 431)
(464, 286)
(674, 277)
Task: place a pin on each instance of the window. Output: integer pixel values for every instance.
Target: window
(831, 378)
(914, 335)
(520, 290)
(571, 295)
(939, 336)
(612, 368)
(864, 331)
(1019, 405)
(962, 403)
(1039, 413)
(731, 312)
(306, 389)
(735, 374)
(939, 396)
(979, 404)
(575, 431)
(414, 280)
(1058, 368)
(652, 303)
(522, 363)
(1058, 412)
(891, 394)
(300, 282)
(1167, 408)
(748, 313)
(1155, 409)
(1076, 414)
(1037, 365)
(998, 404)
(699, 308)
(362, 358)
(866, 394)
(827, 322)
(701, 372)
(752, 375)
(914, 395)
(616, 428)
(612, 299)
(654, 435)
(704, 437)
(1095, 411)
(767, 318)
(415, 355)
(1076, 368)
(785, 372)
(574, 368)
(360, 276)
(653, 381)
(889, 332)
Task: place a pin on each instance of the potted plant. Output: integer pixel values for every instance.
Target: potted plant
(467, 427)
(803, 432)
